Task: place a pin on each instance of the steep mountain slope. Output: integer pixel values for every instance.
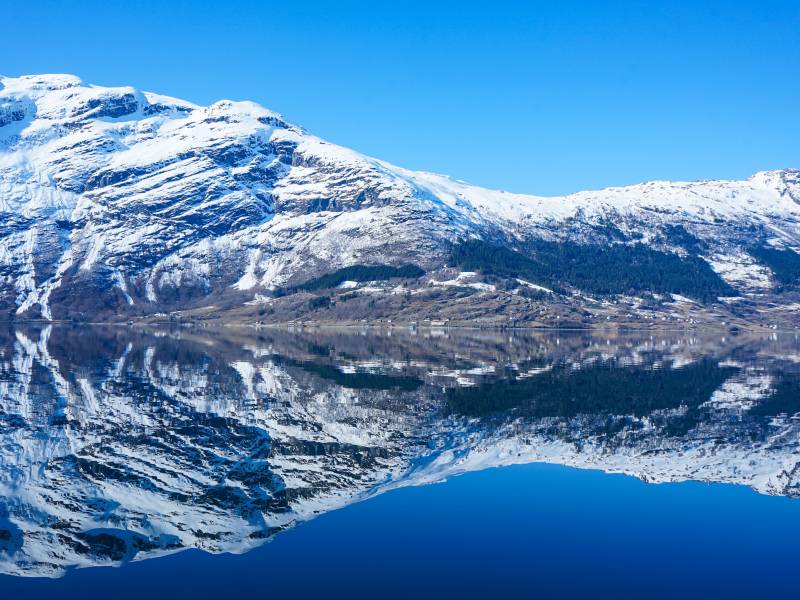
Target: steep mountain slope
(116, 202)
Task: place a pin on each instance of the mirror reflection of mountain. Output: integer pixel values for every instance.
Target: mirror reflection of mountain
(120, 444)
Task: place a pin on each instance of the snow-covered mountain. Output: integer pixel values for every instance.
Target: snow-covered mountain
(116, 202)
(117, 444)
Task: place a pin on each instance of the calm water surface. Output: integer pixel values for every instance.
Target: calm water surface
(183, 463)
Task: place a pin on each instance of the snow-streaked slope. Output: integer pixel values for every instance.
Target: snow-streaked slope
(115, 200)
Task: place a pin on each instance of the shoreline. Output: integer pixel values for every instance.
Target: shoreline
(405, 326)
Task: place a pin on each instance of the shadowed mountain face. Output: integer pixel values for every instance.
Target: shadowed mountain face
(119, 444)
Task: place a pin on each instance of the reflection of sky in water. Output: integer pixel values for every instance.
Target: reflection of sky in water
(119, 445)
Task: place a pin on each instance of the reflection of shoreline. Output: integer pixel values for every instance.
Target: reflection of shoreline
(119, 442)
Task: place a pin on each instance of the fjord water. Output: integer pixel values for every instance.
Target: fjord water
(636, 465)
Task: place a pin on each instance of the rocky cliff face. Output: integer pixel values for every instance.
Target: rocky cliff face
(118, 445)
(116, 202)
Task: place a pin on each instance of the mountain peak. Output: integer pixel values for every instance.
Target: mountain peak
(40, 83)
(785, 181)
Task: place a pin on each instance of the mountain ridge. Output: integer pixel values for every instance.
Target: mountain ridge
(123, 204)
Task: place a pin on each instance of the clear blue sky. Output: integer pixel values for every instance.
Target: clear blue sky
(539, 97)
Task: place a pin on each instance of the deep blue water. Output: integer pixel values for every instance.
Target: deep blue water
(523, 531)
(118, 446)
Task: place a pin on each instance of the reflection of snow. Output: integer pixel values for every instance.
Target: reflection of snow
(742, 391)
(211, 444)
